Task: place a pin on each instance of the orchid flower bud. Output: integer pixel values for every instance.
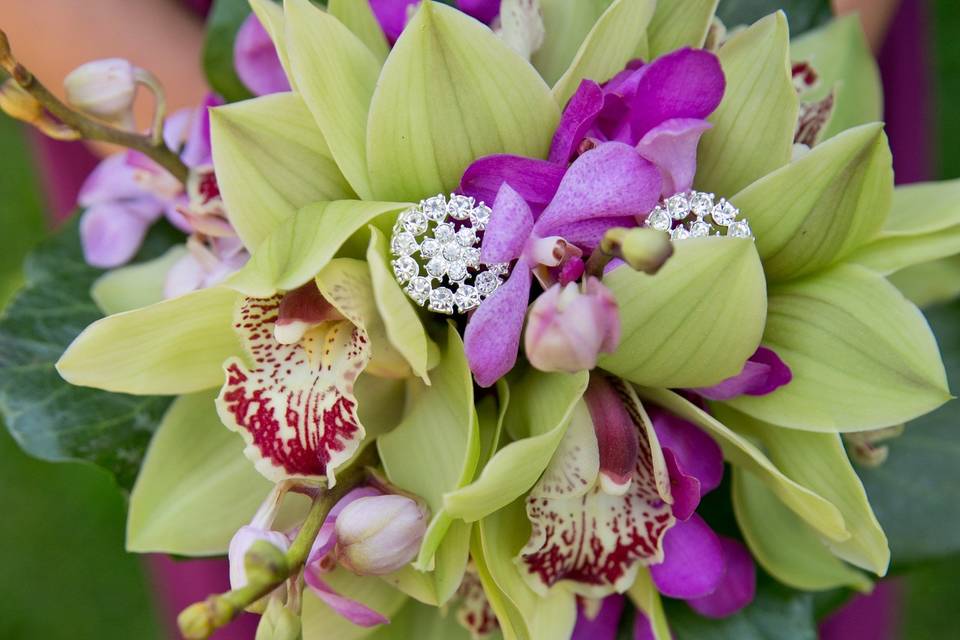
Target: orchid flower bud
(569, 328)
(17, 103)
(643, 248)
(104, 89)
(254, 550)
(379, 534)
(278, 622)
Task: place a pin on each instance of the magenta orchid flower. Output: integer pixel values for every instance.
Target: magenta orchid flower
(393, 15)
(763, 373)
(256, 61)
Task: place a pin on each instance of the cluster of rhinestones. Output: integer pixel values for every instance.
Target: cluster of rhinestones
(695, 214)
(436, 250)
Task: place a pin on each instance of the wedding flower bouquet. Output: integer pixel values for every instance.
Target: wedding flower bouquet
(512, 318)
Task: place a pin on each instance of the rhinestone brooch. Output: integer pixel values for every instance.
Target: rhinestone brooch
(695, 215)
(436, 251)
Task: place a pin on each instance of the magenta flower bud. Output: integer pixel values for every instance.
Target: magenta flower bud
(569, 328)
(245, 537)
(379, 534)
(104, 88)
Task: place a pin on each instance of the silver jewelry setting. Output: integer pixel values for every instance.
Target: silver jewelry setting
(436, 251)
(694, 214)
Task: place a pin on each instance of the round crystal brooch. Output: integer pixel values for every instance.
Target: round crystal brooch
(436, 254)
(695, 215)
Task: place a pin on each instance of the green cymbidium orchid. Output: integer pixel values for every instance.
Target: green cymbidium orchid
(313, 180)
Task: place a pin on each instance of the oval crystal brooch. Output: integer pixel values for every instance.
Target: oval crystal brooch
(436, 251)
(695, 215)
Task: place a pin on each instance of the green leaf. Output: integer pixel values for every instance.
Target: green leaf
(451, 92)
(739, 451)
(359, 18)
(666, 339)
(841, 56)
(271, 160)
(566, 24)
(196, 488)
(819, 209)
(49, 418)
(818, 461)
(678, 24)
(802, 14)
(862, 357)
(776, 612)
(540, 409)
(304, 243)
(753, 127)
(135, 285)
(335, 73)
(435, 447)
(320, 622)
(783, 544)
(224, 21)
(923, 225)
(608, 47)
(404, 327)
(916, 492)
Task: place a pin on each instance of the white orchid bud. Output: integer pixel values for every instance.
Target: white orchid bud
(379, 534)
(263, 556)
(104, 89)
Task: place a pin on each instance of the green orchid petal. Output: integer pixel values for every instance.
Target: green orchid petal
(404, 327)
(929, 283)
(304, 243)
(646, 598)
(540, 409)
(819, 462)
(450, 561)
(195, 488)
(335, 73)
(270, 15)
(271, 160)
(923, 225)
(753, 127)
(841, 56)
(417, 621)
(783, 544)
(416, 584)
(359, 18)
(172, 347)
(451, 92)
(678, 24)
(511, 621)
(862, 357)
(320, 622)
(817, 210)
(136, 285)
(502, 534)
(608, 47)
(739, 451)
(490, 415)
(696, 321)
(435, 447)
(565, 24)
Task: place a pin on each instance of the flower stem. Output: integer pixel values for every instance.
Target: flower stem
(151, 146)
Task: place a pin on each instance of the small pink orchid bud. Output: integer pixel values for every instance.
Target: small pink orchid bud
(379, 534)
(569, 328)
(253, 549)
(104, 89)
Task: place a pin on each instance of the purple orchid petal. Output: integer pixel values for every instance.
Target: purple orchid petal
(693, 564)
(581, 112)
(113, 179)
(256, 61)
(611, 180)
(672, 147)
(587, 234)
(492, 337)
(197, 150)
(684, 488)
(642, 629)
(111, 233)
(697, 454)
(356, 612)
(187, 274)
(510, 223)
(172, 212)
(603, 625)
(764, 372)
(392, 16)
(535, 180)
(688, 83)
(176, 127)
(737, 588)
(617, 437)
(483, 10)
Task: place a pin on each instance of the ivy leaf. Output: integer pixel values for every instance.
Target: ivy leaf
(49, 418)
(803, 15)
(224, 21)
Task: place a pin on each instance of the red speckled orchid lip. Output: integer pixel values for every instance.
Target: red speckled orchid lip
(295, 407)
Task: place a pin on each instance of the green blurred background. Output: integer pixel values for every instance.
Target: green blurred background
(63, 571)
